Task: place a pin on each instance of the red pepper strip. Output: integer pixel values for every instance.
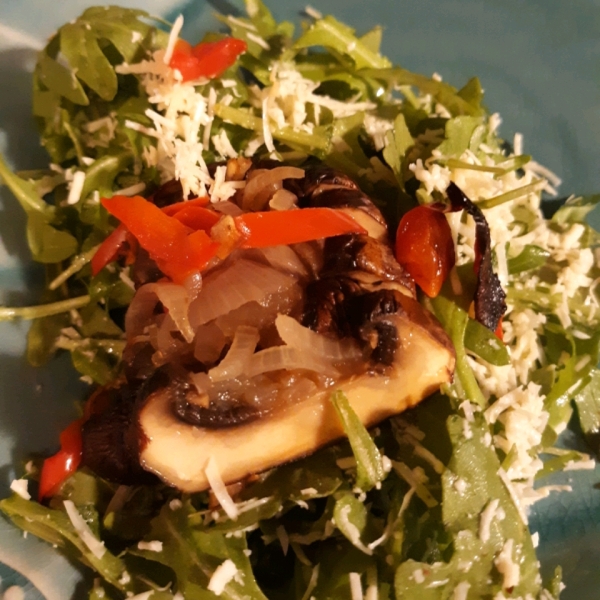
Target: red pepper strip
(424, 247)
(277, 228)
(172, 209)
(207, 59)
(168, 241)
(58, 468)
(499, 333)
(197, 217)
(109, 249)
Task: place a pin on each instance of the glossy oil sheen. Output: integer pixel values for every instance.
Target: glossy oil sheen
(538, 63)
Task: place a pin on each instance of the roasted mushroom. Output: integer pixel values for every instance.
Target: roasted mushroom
(243, 372)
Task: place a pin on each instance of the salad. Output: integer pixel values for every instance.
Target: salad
(270, 227)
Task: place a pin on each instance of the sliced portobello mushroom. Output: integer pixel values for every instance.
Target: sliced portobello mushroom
(178, 452)
(159, 424)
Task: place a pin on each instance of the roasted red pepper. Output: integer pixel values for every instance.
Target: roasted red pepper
(276, 228)
(207, 59)
(177, 250)
(58, 468)
(424, 247)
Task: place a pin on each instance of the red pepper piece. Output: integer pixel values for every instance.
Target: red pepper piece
(58, 468)
(276, 228)
(424, 247)
(172, 209)
(207, 59)
(197, 217)
(167, 240)
(110, 249)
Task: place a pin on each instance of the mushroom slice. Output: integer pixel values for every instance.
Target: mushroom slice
(179, 453)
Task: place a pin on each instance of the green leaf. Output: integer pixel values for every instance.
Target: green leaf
(102, 173)
(330, 33)
(60, 80)
(398, 141)
(530, 258)
(194, 556)
(484, 343)
(55, 527)
(48, 244)
(369, 466)
(261, 18)
(575, 210)
(350, 516)
(41, 338)
(372, 39)
(24, 191)
(587, 401)
(459, 132)
(454, 320)
(472, 93)
(443, 93)
(79, 45)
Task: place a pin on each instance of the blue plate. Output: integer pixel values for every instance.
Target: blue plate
(538, 62)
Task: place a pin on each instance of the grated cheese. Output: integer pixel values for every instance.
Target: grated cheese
(356, 591)
(461, 591)
(507, 567)
(223, 574)
(76, 187)
(213, 475)
(173, 37)
(19, 487)
(372, 584)
(152, 546)
(95, 546)
(312, 583)
(486, 518)
(418, 576)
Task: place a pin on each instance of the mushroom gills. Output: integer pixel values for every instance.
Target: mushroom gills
(179, 452)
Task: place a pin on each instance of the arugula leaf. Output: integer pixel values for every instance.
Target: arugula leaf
(55, 527)
(369, 465)
(576, 209)
(459, 132)
(587, 401)
(483, 343)
(80, 47)
(454, 320)
(194, 556)
(530, 258)
(330, 33)
(48, 244)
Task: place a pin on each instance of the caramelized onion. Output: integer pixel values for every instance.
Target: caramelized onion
(239, 282)
(306, 340)
(235, 362)
(288, 358)
(284, 259)
(263, 182)
(174, 298)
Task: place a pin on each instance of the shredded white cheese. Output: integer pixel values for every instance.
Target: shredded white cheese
(461, 591)
(152, 546)
(95, 546)
(356, 590)
(485, 521)
(19, 487)
(223, 574)
(507, 567)
(76, 187)
(219, 489)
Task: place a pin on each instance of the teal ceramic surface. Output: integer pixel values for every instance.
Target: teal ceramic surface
(538, 61)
